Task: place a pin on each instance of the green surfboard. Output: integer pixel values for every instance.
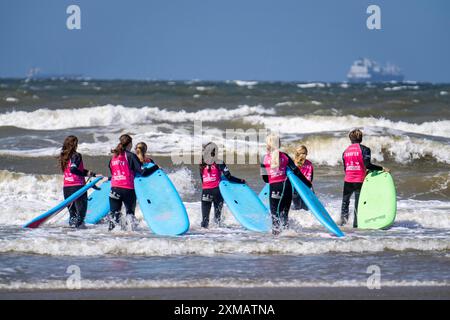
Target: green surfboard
(377, 204)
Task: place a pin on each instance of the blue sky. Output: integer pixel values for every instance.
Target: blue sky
(288, 40)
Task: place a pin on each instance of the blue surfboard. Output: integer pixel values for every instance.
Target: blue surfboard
(38, 221)
(245, 206)
(161, 205)
(264, 195)
(313, 203)
(98, 204)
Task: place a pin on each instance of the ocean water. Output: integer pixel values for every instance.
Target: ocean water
(406, 125)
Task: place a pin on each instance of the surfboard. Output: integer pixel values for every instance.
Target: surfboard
(160, 203)
(98, 204)
(245, 206)
(38, 221)
(264, 195)
(314, 204)
(377, 205)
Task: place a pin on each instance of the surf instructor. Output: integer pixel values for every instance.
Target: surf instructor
(356, 159)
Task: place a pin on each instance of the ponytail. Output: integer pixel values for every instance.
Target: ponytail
(125, 140)
(273, 147)
(141, 149)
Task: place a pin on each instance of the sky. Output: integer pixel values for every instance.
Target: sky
(276, 40)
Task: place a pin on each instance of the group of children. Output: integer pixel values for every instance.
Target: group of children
(124, 165)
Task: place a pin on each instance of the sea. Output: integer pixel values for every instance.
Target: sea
(406, 125)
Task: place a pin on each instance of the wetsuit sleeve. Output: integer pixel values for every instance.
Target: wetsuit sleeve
(75, 163)
(263, 170)
(226, 172)
(343, 161)
(297, 172)
(201, 174)
(136, 167)
(366, 153)
(110, 170)
(149, 171)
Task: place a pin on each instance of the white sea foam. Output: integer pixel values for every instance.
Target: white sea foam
(323, 149)
(242, 83)
(183, 180)
(210, 283)
(287, 103)
(25, 196)
(399, 88)
(118, 116)
(420, 225)
(96, 241)
(202, 89)
(306, 237)
(171, 131)
(310, 124)
(11, 99)
(402, 149)
(311, 85)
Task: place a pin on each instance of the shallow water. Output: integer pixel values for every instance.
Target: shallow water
(407, 126)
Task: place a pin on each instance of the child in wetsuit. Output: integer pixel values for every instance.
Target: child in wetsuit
(141, 152)
(273, 171)
(356, 159)
(124, 165)
(71, 164)
(307, 170)
(211, 170)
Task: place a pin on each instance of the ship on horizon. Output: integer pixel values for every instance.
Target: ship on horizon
(37, 74)
(366, 70)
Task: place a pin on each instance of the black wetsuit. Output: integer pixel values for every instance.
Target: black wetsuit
(127, 196)
(281, 196)
(213, 196)
(355, 187)
(78, 208)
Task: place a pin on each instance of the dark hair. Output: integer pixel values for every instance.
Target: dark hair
(125, 140)
(355, 136)
(68, 149)
(209, 152)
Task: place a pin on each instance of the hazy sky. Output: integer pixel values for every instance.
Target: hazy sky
(224, 39)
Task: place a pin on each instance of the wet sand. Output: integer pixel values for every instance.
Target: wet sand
(304, 293)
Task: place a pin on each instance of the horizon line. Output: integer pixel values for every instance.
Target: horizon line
(88, 78)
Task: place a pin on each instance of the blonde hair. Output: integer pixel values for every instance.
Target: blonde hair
(298, 151)
(141, 149)
(273, 146)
